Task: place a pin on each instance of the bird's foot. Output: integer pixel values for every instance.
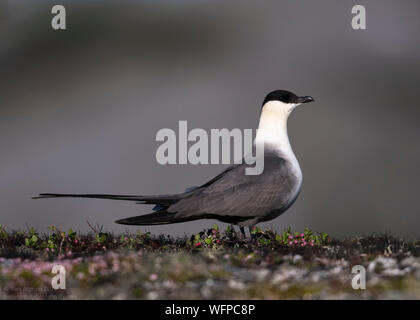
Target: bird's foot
(243, 237)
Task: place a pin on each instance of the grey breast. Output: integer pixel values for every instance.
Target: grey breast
(233, 194)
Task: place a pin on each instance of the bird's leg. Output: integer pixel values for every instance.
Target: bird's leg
(243, 232)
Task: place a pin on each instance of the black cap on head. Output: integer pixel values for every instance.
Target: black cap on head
(286, 97)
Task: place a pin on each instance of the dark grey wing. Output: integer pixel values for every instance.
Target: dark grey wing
(235, 194)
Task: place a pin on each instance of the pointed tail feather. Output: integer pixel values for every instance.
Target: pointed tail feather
(153, 199)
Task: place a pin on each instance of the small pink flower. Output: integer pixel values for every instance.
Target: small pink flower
(153, 277)
(291, 242)
(290, 236)
(75, 241)
(312, 244)
(80, 276)
(295, 241)
(47, 249)
(198, 244)
(302, 235)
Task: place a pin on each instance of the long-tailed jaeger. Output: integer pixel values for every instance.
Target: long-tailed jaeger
(232, 196)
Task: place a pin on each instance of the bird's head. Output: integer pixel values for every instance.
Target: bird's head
(283, 102)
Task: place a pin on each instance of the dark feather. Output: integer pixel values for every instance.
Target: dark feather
(163, 217)
(153, 199)
(155, 218)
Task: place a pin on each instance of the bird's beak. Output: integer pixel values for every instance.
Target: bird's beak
(305, 99)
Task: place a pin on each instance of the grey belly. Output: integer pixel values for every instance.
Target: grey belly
(277, 212)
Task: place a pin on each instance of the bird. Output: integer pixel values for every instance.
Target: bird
(232, 196)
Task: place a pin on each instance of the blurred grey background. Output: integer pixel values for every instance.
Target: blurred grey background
(79, 109)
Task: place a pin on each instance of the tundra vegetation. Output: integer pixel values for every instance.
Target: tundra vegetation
(213, 264)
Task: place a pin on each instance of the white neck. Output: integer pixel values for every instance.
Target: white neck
(272, 129)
